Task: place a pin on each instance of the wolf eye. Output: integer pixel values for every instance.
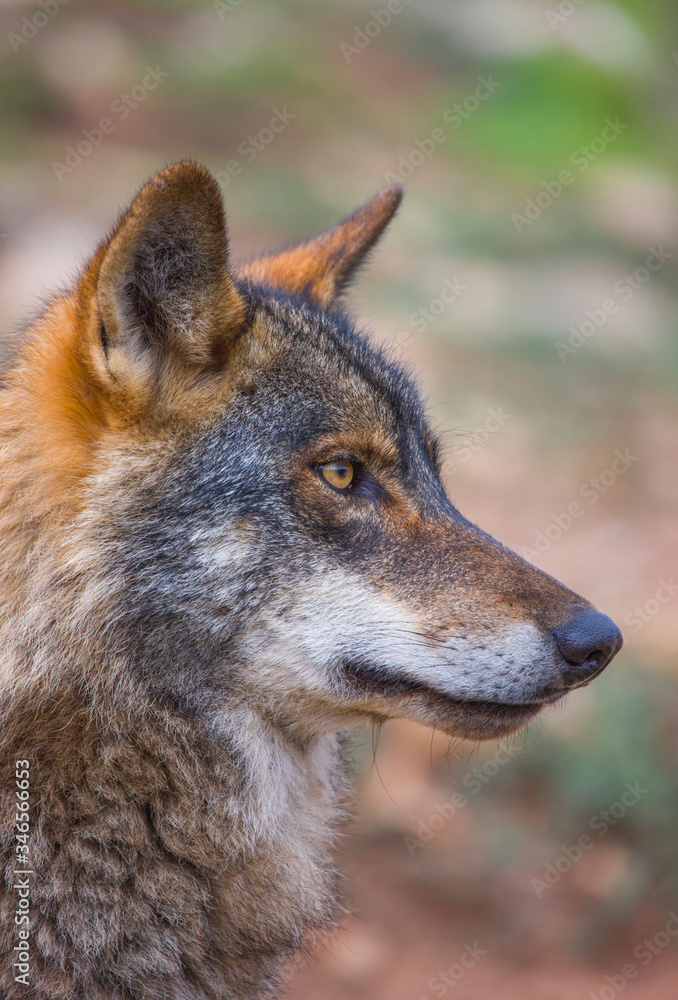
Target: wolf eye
(337, 474)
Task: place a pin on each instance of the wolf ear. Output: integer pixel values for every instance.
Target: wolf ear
(165, 296)
(322, 267)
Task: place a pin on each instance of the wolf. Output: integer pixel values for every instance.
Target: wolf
(225, 540)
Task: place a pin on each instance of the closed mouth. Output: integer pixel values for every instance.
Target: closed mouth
(473, 719)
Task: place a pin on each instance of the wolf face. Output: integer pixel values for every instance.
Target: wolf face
(257, 493)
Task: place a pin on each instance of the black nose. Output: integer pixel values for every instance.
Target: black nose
(587, 643)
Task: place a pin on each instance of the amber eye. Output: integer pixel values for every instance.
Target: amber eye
(337, 474)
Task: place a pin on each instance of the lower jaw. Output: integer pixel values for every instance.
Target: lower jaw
(486, 721)
(471, 719)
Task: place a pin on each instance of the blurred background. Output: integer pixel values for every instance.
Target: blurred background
(531, 278)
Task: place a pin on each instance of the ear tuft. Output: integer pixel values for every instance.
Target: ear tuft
(322, 267)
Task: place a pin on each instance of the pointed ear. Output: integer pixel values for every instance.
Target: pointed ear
(164, 293)
(321, 268)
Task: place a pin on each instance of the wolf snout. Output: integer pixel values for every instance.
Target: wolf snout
(586, 643)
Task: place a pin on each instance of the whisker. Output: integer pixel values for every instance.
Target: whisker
(383, 783)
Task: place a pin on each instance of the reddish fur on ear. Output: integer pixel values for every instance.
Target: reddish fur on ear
(321, 267)
(170, 310)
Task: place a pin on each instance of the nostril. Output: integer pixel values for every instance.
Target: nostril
(587, 643)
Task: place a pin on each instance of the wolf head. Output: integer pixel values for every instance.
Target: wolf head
(255, 506)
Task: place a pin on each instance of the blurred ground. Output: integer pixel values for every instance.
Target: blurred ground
(531, 279)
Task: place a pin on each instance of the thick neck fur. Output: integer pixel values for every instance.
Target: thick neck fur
(171, 857)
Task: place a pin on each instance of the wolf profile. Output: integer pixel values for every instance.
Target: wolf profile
(225, 539)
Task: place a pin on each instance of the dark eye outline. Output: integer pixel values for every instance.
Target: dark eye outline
(320, 466)
(361, 485)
